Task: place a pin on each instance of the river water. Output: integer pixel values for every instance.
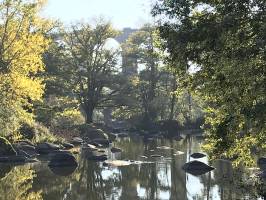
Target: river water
(156, 179)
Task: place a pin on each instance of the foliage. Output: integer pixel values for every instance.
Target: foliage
(226, 41)
(22, 43)
(155, 91)
(37, 132)
(94, 71)
(69, 117)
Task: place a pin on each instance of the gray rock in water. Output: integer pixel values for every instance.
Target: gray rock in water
(76, 141)
(67, 145)
(156, 156)
(196, 168)
(197, 155)
(103, 142)
(46, 148)
(116, 150)
(62, 159)
(145, 157)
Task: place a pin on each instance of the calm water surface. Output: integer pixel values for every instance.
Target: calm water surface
(162, 179)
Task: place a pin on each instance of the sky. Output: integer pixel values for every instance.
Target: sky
(122, 13)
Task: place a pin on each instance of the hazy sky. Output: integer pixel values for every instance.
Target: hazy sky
(123, 13)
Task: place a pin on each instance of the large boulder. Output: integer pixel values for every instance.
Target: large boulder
(26, 149)
(46, 148)
(92, 132)
(62, 159)
(6, 148)
(13, 159)
(63, 170)
(197, 168)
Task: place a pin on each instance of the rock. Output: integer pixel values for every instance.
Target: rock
(261, 162)
(6, 148)
(196, 168)
(13, 159)
(67, 145)
(156, 156)
(63, 170)
(112, 136)
(90, 147)
(62, 159)
(46, 148)
(94, 155)
(103, 142)
(145, 157)
(116, 150)
(76, 141)
(25, 149)
(25, 142)
(56, 152)
(92, 132)
(5, 169)
(197, 155)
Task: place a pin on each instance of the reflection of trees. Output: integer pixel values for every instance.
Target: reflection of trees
(178, 177)
(17, 184)
(128, 182)
(93, 181)
(229, 181)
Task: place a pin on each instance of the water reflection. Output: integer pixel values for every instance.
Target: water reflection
(163, 179)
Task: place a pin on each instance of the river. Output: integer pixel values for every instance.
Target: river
(160, 178)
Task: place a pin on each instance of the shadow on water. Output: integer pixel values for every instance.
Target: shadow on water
(161, 179)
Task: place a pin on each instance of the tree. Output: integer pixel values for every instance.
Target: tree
(94, 70)
(226, 40)
(22, 43)
(141, 45)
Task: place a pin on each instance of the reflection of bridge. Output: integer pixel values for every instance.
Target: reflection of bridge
(129, 63)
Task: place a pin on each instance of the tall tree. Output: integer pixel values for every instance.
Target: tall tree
(142, 46)
(93, 65)
(22, 43)
(226, 40)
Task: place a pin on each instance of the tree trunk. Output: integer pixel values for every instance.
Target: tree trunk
(89, 114)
